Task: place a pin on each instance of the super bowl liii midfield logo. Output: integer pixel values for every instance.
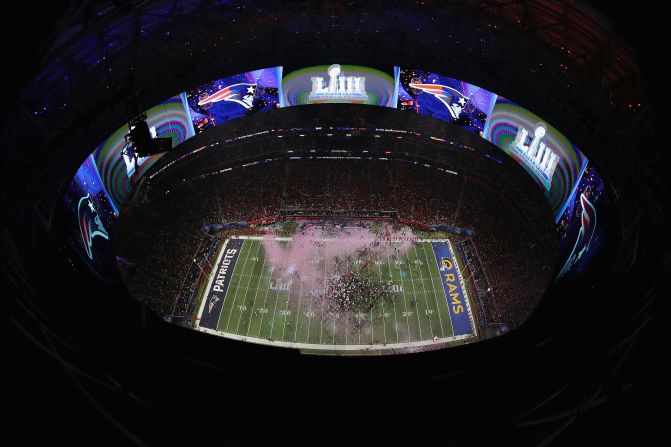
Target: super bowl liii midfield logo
(339, 87)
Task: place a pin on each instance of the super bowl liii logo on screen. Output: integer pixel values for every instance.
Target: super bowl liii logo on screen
(536, 154)
(338, 87)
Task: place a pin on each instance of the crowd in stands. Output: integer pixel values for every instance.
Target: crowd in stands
(161, 231)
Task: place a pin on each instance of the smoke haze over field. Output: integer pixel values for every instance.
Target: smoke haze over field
(316, 254)
(301, 258)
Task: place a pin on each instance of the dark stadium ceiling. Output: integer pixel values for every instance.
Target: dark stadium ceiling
(582, 33)
(114, 50)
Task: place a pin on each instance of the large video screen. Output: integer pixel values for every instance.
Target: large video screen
(95, 220)
(583, 224)
(336, 83)
(548, 156)
(107, 178)
(121, 171)
(445, 98)
(234, 97)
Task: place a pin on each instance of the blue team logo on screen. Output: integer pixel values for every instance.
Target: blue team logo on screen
(585, 235)
(444, 98)
(453, 100)
(242, 94)
(233, 97)
(90, 225)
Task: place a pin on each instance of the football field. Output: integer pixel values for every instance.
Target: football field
(252, 298)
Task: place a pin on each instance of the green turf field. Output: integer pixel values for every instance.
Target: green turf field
(261, 307)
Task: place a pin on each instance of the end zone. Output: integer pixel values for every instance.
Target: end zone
(212, 304)
(455, 291)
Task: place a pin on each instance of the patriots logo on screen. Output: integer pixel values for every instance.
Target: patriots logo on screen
(452, 98)
(587, 227)
(90, 225)
(242, 94)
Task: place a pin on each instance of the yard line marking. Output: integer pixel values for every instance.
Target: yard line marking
(414, 293)
(435, 293)
(395, 315)
(251, 315)
(237, 288)
(312, 297)
(237, 330)
(272, 322)
(424, 291)
(321, 323)
(384, 318)
(407, 319)
(336, 311)
(284, 326)
(265, 300)
(347, 311)
(298, 311)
